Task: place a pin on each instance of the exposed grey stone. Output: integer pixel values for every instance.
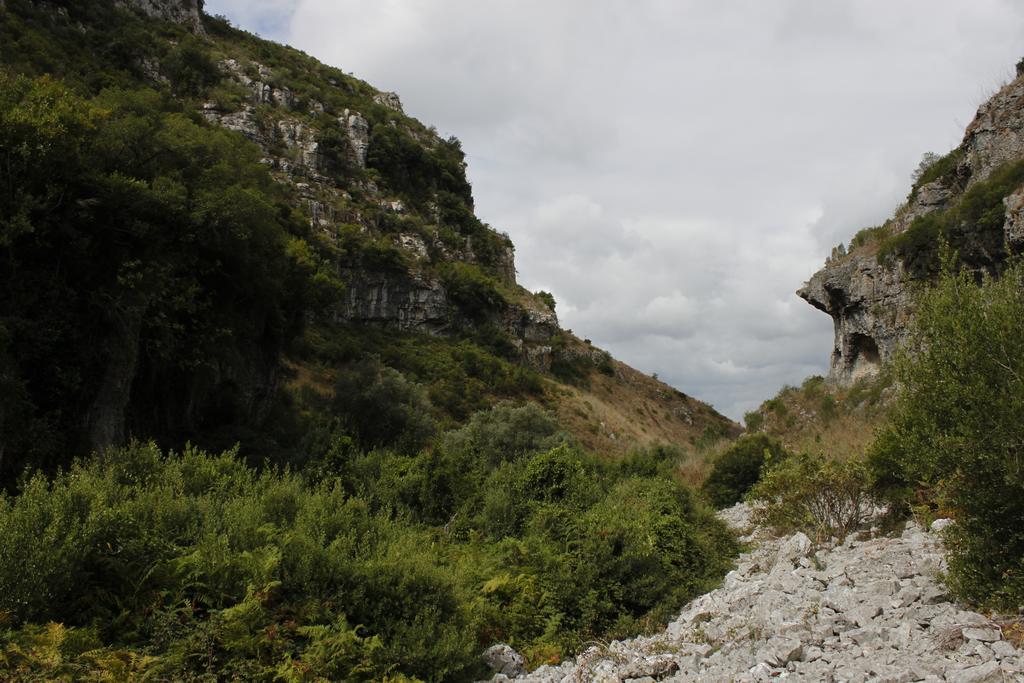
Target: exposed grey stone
(358, 130)
(755, 628)
(862, 616)
(985, 634)
(655, 667)
(779, 651)
(940, 524)
(185, 12)
(389, 100)
(870, 302)
(797, 546)
(933, 595)
(989, 672)
(502, 659)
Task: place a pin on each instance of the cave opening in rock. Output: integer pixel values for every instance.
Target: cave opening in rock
(863, 355)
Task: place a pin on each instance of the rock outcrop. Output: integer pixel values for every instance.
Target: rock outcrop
(863, 610)
(870, 301)
(996, 135)
(870, 304)
(399, 300)
(412, 299)
(186, 12)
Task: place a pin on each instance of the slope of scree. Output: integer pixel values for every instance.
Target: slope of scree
(868, 609)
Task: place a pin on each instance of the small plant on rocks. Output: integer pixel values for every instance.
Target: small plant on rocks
(814, 494)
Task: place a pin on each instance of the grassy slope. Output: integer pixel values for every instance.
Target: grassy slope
(820, 418)
(629, 409)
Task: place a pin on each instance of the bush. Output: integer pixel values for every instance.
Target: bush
(547, 297)
(505, 433)
(933, 167)
(812, 493)
(382, 408)
(867, 236)
(200, 562)
(954, 438)
(736, 470)
(475, 293)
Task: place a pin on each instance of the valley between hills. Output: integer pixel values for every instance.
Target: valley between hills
(276, 407)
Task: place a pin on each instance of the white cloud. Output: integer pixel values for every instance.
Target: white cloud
(672, 170)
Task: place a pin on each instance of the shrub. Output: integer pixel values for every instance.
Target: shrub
(954, 438)
(382, 408)
(933, 167)
(737, 469)
(475, 293)
(505, 432)
(547, 297)
(821, 496)
(869, 236)
(201, 562)
(753, 420)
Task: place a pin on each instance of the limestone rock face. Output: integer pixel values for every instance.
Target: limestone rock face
(398, 300)
(186, 12)
(358, 130)
(504, 660)
(870, 302)
(1013, 228)
(389, 100)
(996, 135)
(929, 197)
(405, 300)
(870, 306)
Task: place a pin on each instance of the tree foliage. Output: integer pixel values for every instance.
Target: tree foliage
(955, 438)
(739, 467)
(144, 257)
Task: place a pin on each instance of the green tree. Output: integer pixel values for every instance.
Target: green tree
(956, 435)
(143, 256)
(736, 470)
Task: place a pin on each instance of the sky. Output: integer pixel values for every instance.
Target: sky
(673, 170)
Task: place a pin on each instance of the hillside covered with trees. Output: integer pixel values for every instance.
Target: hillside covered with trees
(274, 406)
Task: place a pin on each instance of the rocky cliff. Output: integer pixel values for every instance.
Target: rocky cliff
(339, 185)
(867, 291)
(189, 13)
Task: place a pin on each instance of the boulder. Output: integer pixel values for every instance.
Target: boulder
(502, 659)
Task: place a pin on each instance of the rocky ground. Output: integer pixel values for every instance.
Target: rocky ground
(869, 609)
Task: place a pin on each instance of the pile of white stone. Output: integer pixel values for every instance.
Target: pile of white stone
(869, 609)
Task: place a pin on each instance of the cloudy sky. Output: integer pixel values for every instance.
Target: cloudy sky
(673, 170)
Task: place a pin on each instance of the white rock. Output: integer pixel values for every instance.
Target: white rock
(798, 545)
(940, 524)
(779, 651)
(985, 634)
(983, 673)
